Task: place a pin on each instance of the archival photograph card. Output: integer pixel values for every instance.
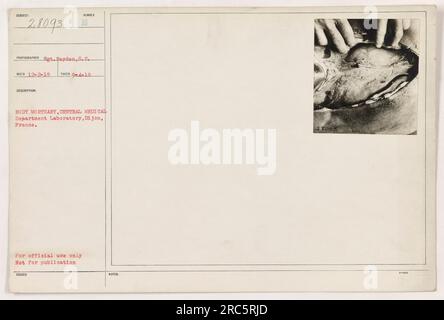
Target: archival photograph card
(222, 149)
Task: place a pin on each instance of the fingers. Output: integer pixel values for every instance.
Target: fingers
(346, 30)
(320, 36)
(326, 30)
(399, 32)
(380, 33)
(340, 32)
(399, 26)
(336, 37)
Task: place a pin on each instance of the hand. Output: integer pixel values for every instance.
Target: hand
(399, 26)
(338, 31)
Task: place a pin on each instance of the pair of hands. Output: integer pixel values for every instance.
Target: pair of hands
(340, 32)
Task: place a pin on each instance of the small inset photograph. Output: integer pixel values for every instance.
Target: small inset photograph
(365, 76)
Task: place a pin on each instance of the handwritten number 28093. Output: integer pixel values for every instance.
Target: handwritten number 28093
(51, 23)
